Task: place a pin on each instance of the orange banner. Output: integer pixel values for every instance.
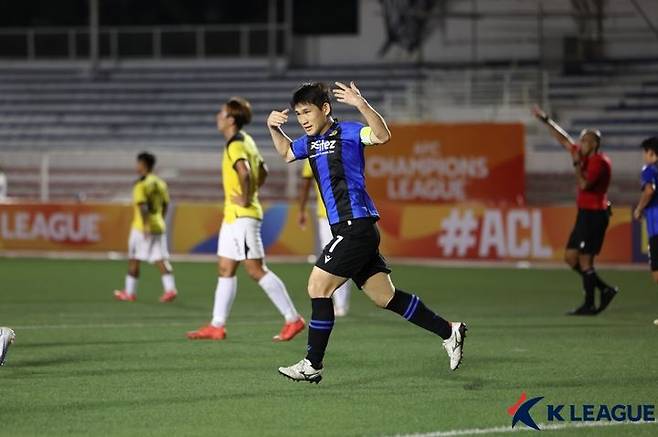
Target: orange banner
(464, 231)
(489, 233)
(449, 163)
(65, 226)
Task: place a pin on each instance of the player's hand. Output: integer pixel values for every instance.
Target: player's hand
(277, 119)
(349, 95)
(538, 112)
(637, 214)
(303, 218)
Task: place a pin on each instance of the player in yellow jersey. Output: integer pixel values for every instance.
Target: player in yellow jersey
(148, 238)
(341, 296)
(243, 173)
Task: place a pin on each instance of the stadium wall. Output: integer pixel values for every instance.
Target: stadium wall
(492, 37)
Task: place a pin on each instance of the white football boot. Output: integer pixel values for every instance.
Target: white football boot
(455, 344)
(302, 371)
(7, 337)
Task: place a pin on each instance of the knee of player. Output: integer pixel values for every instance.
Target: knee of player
(316, 289)
(165, 267)
(570, 260)
(380, 301)
(255, 272)
(224, 271)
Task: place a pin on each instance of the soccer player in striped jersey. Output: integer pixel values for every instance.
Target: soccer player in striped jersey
(647, 206)
(593, 171)
(148, 237)
(341, 296)
(335, 151)
(243, 173)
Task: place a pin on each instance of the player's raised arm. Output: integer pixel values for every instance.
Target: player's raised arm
(351, 95)
(556, 131)
(281, 141)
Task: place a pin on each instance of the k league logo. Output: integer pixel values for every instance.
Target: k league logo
(580, 413)
(520, 411)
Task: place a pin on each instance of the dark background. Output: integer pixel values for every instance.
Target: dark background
(308, 18)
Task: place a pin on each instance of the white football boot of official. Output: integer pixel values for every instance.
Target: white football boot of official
(7, 337)
(302, 371)
(455, 344)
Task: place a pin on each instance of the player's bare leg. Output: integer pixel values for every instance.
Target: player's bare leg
(278, 294)
(380, 289)
(321, 286)
(571, 258)
(169, 292)
(129, 292)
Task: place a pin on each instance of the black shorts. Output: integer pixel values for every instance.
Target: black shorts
(653, 253)
(354, 251)
(589, 231)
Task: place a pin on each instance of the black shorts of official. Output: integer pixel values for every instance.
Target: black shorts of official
(354, 251)
(653, 253)
(589, 231)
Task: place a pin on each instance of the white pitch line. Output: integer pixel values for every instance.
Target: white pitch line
(521, 428)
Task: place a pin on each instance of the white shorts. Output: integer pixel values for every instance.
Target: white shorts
(324, 231)
(241, 240)
(151, 249)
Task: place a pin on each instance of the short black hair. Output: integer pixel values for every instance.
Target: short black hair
(650, 144)
(148, 159)
(316, 93)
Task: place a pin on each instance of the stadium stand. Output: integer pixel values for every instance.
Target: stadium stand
(93, 125)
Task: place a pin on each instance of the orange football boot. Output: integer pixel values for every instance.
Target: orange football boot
(168, 296)
(208, 332)
(124, 297)
(289, 330)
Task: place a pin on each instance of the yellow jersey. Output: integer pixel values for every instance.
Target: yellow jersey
(152, 191)
(241, 146)
(307, 173)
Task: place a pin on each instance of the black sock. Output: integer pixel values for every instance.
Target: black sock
(411, 308)
(319, 329)
(589, 284)
(600, 283)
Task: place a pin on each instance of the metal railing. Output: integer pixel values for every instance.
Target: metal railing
(77, 175)
(191, 41)
(470, 94)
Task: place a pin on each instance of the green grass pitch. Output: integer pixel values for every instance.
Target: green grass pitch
(84, 364)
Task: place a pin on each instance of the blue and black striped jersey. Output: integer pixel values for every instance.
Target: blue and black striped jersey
(338, 165)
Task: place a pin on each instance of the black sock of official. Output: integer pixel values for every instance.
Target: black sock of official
(600, 283)
(411, 308)
(589, 284)
(319, 329)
